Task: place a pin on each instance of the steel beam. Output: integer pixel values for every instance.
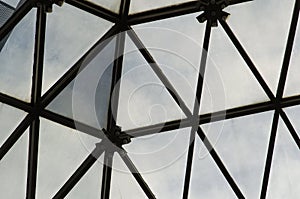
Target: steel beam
(214, 117)
(78, 67)
(290, 127)
(80, 172)
(288, 51)
(152, 63)
(195, 116)
(117, 67)
(268, 162)
(219, 163)
(106, 174)
(138, 177)
(14, 102)
(16, 134)
(115, 86)
(36, 100)
(163, 13)
(94, 9)
(73, 124)
(247, 59)
(16, 17)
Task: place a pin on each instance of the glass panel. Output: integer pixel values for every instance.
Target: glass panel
(143, 5)
(206, 179)
(264, 40)
(89, 186)
(285, 174)
(161, 160)
(16, 58)
(6, 11)
(242, 145)
(86, 99)
(143, 98)
(177, 50)
(293, 80)
(123, 184)
(70, 33)
(229, 82)
(61, 151)
(14, 3)
(9, 120)
(112, 5)
(293, 114)
(13, 170)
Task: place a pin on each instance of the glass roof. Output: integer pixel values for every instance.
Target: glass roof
(112, 5)
(262, 42)
(16, 59)
(292, 78)
(61, 150)
(245, 157)
(149, 99)
(143, 5)
(13, 170)
(206, 179)
(284, 175)
(72, 26)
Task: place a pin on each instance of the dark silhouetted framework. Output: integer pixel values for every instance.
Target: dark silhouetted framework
(112, 138)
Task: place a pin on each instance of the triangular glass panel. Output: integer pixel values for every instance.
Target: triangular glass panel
(16, 58)
(144, 5)
(143, 98)
(284, 174)
(177, 50)
(293, 80)
(89, 186)
(61, 151)
(242, 145)
(13, 170)
(70, 33)
(6, 12)
(14, 3)
(262, 39)
(228, 82)
(161, 160)
(293, 114)
(206, 179)
(112, 5)
(86, 98)
(9, 120)
(123, 184)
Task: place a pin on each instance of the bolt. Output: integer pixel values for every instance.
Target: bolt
(59, 3)
(125, 141)
(49, 9)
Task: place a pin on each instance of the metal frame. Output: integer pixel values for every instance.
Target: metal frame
(113, 135)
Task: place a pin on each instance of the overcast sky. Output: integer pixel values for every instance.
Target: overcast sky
(262, 28)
